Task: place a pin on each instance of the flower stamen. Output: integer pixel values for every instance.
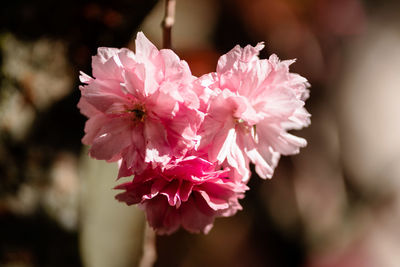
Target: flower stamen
(138, 113)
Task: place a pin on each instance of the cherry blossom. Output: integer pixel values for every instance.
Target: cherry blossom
(188, 142)
(140, 106)
(250, 105)
(188, 193)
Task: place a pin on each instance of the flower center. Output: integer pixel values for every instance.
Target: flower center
(138, 113)
(243, 126)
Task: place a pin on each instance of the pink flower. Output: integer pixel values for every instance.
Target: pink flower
(250, 105)
(188, 192)
(188, 141)
(140, 106)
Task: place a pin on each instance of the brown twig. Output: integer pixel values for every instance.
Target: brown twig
(149, 255)
(168, 22)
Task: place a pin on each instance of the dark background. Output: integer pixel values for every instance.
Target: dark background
(321, 209)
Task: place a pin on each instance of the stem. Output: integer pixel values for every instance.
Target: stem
(149, 255)
(168, 22)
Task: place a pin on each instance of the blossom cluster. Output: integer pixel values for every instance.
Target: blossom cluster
(188, 141)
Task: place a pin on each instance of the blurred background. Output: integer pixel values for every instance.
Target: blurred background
(336, 204)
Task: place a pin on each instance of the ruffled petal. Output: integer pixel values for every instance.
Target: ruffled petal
(111, 139)
(106, 64)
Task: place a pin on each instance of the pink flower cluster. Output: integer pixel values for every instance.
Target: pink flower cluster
(188, 141)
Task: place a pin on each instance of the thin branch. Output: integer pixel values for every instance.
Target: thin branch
(149, 255)
(168, 22)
